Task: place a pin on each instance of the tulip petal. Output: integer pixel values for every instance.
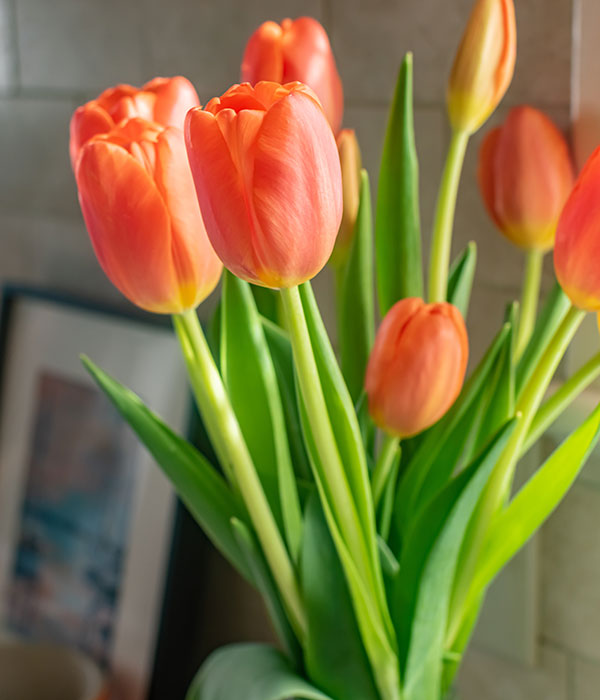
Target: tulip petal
(263, 59)
(534, 177)
(87, 121)
(128, 224)
(577, 248)
(197, 266)
(174, 98)
(486, 172)
(308, 58)
(296, 189)
(220, 193)
(417, 365)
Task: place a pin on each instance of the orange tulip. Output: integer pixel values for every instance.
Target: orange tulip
(296, 50)
(417, 366)
(138, 201)
(577, 247)
(162, 100)
(525, 176)
(268, 179)
(484, 64)
(350, 160)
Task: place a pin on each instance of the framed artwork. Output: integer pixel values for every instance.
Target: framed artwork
(86, 518)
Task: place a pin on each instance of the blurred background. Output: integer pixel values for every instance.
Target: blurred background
(56, 54)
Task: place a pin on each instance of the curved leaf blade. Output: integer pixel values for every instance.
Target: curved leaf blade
(345, 426)
(283, 361)
(334, 653)
(428, 565)
(535, 501)
(251, 672)
(398, 227)
(266, 585)
(460, 280)
(249, 375)
(202, 489)
(356, 312)
(553, 313)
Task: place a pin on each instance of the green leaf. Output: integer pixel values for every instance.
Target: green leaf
(251, 381)
(334, 653)
(367, 427)
(343, 421)
(265, 584)
(535, 502)
(250, 672)
(281, 353)
(386, 508)
(562, 398)
(198, 484)
(500, 397)
(555, 309)
(397, 228)
(390, 564)
(428, 565)
(460, 281)
(374, 634)
(437, 454)
(267, 302)
(356, 305)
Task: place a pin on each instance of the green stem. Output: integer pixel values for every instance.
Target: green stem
(316, 408)
(561, 399)
(332, 475)
(225, 432)
(529, 299)
(383, 467)
(499, 484)
(441, 243)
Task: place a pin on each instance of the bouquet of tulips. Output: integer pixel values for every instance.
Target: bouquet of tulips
(367, 495)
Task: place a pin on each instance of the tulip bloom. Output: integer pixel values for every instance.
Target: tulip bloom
(417, 366)
(525, 176)
(138, 201)
(268, 179)
(297, 50)
(577, 247)
(162, 100)
(350, 160)
(484, 64)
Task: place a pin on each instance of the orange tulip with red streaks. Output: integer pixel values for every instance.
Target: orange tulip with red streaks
(525, 176)
(162, 100)
(296, 50)
(268, 179)
(577, 246)
(417, 366)
(138, 201)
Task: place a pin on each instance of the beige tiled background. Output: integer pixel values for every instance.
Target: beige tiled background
(56, 53)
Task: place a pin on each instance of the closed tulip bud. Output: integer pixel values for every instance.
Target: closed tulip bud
(162, 100)
(577, 247)
(268, 179)
(417, 366)
(484, 64)
(351, 163)
(138, 201)
(525, 176)
(296, 50)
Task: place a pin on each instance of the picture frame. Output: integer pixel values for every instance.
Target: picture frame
(91, 532)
